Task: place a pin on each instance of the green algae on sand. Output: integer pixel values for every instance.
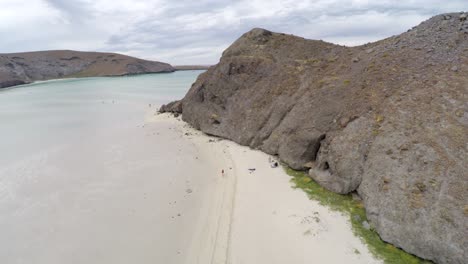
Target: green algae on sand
(354, 209)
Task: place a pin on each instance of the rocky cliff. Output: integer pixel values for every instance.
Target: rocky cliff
(387, 119)
(20, 68)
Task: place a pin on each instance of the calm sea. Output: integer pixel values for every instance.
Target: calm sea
(83, 178)
(43, 114)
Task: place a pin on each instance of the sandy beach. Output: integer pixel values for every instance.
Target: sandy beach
(255, 216)
(124, 188)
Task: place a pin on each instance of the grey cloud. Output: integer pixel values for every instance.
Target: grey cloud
(189, 32)
(76, 11)
(163, 36)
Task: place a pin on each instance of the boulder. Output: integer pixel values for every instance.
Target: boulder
(172, 107)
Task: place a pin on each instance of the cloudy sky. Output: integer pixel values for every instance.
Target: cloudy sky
(196, 32)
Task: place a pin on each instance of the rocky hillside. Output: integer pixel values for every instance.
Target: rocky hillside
(20, 68)
(387, 119)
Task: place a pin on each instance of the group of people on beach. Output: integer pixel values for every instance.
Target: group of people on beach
(273, 163)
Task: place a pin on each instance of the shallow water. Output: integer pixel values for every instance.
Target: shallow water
(49, 113)
(83, 180)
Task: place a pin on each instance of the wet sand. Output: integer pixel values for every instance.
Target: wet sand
(154, 193)
(124, 196)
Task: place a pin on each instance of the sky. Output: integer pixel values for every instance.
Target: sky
(197, 31)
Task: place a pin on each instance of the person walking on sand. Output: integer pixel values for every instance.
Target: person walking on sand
(222, 172)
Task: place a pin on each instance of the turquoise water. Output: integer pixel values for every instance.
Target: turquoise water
(49, 113)
(86, 178)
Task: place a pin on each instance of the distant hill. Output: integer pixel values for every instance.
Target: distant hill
(26, 67)
(388, 120)
(191, 67)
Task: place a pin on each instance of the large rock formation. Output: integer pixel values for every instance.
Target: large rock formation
(20, 68)
(387, 119)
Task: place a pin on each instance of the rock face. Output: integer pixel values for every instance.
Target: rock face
(20, 68)
(387, 119)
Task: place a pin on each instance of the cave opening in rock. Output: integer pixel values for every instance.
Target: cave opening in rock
(325, 166)
(317, 146)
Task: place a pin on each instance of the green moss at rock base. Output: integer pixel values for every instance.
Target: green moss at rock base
(357, 216)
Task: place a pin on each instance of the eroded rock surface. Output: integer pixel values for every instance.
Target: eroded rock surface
(26, 67)
(387, 119)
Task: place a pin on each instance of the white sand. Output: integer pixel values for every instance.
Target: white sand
(256, 217)
(115, 196)
(153, 194)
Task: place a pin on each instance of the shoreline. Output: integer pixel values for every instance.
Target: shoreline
(88, 77)
(252, 214)
(79, 78)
